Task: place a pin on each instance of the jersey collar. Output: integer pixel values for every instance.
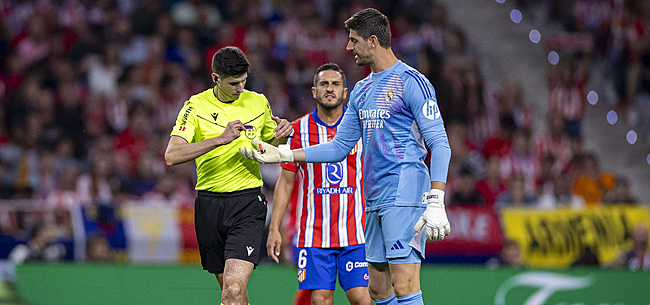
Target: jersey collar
(382, 74)
(314, 114)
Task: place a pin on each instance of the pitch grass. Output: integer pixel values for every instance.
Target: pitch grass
(148, 284)
(272, 284)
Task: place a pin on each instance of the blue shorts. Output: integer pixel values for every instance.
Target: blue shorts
(390, 237)
(317, 267)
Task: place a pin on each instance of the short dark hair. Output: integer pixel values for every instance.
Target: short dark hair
(230, 61)
(327, 67)
(368, 22)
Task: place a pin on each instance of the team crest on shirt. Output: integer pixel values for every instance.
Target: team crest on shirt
(250, 132)
(389, 95)
(301, 275)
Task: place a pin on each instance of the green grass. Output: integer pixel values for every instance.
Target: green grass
(70, 284)
(148, 284)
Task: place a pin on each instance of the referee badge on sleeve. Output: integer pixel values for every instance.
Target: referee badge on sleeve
(301, 275)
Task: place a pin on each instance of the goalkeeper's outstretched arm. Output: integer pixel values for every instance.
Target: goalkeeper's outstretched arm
(347, 136)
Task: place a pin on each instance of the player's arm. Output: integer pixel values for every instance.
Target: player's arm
(420, 97)
(179, 150)
(281, 198)
(347, 136)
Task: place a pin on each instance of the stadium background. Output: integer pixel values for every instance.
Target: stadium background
(89, 91)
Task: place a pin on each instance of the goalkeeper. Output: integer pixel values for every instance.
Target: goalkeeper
(394, 109)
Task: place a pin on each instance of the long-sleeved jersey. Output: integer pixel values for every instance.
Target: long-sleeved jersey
(395, 111)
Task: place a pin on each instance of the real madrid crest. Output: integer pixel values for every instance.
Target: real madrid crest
(389, 96)
(251, 131)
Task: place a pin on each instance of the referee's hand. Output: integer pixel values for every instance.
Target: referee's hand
(284, 128)
(232, 132)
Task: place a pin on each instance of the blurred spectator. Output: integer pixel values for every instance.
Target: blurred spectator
(638, 258)
(516, 195)
(501, 143)
(521, 160)
(65, 195)
(554, 142)
(492, 186)
(588, 257)
(511, 102)
(483, 113)
(64, 155)
(34, 46)
(463, 153)
(593, 184)
(132, 142)
(466, 192)
(148, 170)
(133, 47)
(510, 256)
(561, 196)
(169, 192)
(41, 246)
(567, 98)
(620, 193)
(103, 72)
(47, 176)
(95, 188)
(98, 250)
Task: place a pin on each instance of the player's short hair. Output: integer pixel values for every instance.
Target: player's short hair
(329, 67)
(230, 61)
(368, 22)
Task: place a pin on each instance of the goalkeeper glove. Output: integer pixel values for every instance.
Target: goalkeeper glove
(267, 153)
(434, 216)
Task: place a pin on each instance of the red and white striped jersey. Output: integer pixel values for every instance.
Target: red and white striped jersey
(561, 149)
(528, 166)
(569, 102)
(331, 208)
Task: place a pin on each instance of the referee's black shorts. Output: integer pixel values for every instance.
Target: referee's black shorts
(229, 225)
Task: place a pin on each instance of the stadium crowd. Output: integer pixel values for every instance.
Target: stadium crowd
(89, 91)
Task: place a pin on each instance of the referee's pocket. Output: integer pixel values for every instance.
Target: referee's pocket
(263, 207)
(262, 198)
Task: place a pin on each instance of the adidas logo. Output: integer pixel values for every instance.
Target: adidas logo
(397, 245)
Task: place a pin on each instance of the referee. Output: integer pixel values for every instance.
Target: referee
(230, 209)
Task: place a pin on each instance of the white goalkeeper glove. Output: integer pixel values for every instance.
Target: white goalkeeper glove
(267, 153)
(434, 216)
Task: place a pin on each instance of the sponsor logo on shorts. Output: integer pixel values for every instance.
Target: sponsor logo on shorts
(352, 265)
(250, 250)
(397, 246)
(301, 275)
(365, 276)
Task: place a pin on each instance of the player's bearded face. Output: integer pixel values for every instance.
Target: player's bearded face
(330, 90)
(229, 88)
(360, 48)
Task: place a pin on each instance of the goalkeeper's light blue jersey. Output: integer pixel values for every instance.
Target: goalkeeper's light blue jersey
(396, 112)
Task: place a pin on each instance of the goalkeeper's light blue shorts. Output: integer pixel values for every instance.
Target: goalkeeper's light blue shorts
(317, 267)
(390, 237)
